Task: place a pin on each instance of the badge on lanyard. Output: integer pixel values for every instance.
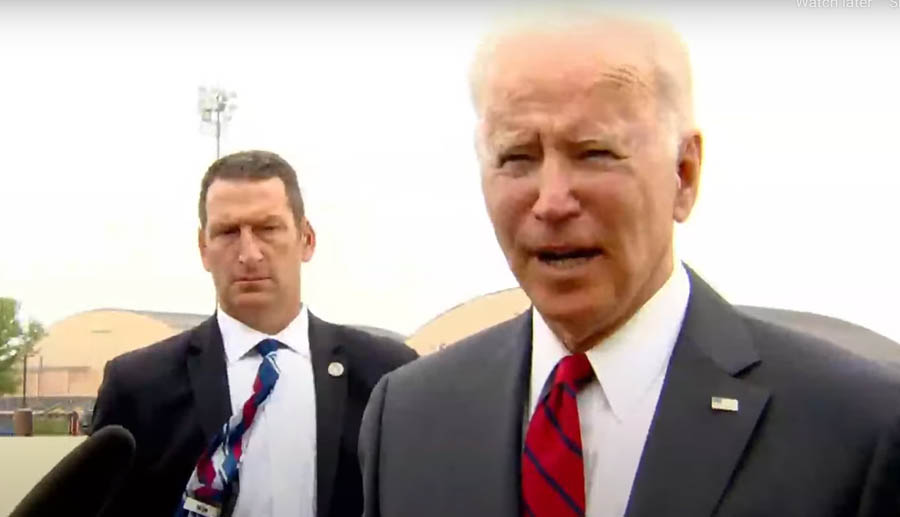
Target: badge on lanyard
(200, 508)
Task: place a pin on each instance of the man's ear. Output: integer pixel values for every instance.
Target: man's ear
(690, 157)
(308, 235)
(201, 245)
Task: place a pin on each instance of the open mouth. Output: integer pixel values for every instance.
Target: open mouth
(568, 258)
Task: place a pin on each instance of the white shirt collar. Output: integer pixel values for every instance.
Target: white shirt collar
(238, 338)
(627, 362)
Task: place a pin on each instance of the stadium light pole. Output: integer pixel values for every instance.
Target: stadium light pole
(216, 106)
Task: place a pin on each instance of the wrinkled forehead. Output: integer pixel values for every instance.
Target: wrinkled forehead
(612, 105)
(246, 199)
(582, 55)
(616, 90)
(556, 70)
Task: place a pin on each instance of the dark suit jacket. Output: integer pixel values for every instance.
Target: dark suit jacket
(173, 396)
(816, 433)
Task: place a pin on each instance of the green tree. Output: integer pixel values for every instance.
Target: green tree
(15, 343)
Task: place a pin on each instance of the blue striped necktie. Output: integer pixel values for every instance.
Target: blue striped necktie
(217, 470)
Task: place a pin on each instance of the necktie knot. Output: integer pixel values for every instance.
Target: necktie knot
(573, 370)
(267, 346)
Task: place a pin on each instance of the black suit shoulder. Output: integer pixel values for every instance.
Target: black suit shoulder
(441, 369)
(827, 441)
(819, 378)
(133, 377)
(370, 356)
(811, 357)
(152, 363)
(148, 391)
(382, 352)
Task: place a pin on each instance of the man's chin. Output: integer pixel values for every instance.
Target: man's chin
(575, 313)
(251, 300)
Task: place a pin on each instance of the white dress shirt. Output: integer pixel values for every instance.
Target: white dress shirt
(615, 410)
(278, 470)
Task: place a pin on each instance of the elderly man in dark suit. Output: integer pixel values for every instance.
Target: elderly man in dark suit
(631, 387)
(294, 385)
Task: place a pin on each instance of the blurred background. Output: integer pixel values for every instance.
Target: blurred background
(103, 148)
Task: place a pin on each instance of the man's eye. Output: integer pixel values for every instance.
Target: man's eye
(594, 154)
(512, 157)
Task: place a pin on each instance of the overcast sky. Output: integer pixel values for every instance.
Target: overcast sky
(102, 153)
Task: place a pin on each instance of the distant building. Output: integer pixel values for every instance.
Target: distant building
(67, 368)
(468, 318)
(487, 310)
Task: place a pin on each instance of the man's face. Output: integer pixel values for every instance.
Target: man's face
(581, 182)
(253, 247)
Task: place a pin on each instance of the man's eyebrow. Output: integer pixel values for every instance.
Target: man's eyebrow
(220, 225)
(595, 140)
(507, 137)
(225, 223)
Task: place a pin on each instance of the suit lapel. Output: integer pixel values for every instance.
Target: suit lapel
(498, 409)
(692, 450)
(331, 396)
(208, 377)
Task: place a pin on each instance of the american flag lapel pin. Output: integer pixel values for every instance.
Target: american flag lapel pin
(724, 404)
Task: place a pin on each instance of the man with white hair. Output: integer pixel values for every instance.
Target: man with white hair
(630, 387)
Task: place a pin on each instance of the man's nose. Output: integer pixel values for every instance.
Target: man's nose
(556, 200)
(249, 248)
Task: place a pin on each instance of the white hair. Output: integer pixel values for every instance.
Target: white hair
(662, 47)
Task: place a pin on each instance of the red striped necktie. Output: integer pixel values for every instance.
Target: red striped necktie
(552, 464)
(216, 473)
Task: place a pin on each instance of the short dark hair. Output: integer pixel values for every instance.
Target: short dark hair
(253, 165)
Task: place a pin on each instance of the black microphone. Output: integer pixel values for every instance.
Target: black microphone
(85, 479)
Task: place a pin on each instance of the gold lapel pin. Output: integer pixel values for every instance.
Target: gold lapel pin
(724, 404)
(335, 369)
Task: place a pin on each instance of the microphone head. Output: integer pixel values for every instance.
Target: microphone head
(85, 479)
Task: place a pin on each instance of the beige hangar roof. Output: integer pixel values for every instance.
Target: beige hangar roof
(468, 318)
